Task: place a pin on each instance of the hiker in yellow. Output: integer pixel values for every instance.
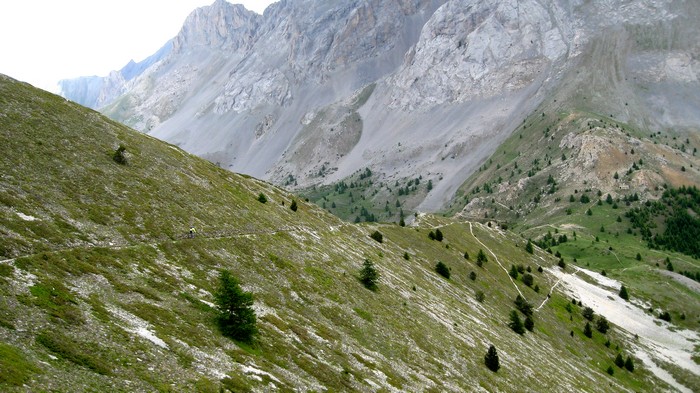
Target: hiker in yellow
(193, 232)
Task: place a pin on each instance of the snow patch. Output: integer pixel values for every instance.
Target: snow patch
(137, 326)
(257, 372)
(26, 217)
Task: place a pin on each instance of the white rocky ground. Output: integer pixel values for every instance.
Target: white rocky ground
(651, 337)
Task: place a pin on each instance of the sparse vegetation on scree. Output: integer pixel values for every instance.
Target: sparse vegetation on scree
(102, 290)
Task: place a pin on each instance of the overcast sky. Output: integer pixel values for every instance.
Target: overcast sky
(44, 41)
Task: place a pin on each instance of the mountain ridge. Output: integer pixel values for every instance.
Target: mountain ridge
(447, 79)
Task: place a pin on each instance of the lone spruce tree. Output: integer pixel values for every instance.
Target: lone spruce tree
(623, 293)
(442, 270)
(515, 323)
(491, 359)
(481, 258)
(369, 275)
(528, 247)
(236, 317)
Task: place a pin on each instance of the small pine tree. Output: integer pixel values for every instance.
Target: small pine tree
(539, 269)
(639, 257)
(513, 272)
(466, 255)
(236, 317)
(480, 296)
(406, 256)
(602, 324)
(629, 364)
(431, 235)
(262, 198)
(611, 370)
(623, 293)
(561, 263)
(588, 313)
(472, 276)
(528, 247)
(442, 270)
(438, 235)
(491, 359)
(515, 323)
(587, 331)
(120, 155)
(529, 323)
(619, 361)
(481, 257)
(523, 305)
(369, 275)
(528, 279)
(376, 235)
(293, 206)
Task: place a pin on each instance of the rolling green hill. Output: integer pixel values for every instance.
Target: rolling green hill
(102, 290)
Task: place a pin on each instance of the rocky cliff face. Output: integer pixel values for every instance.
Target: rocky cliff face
(315, 90)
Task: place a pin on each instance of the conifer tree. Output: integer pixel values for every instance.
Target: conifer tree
(442, 270)
(602, 324)
(624, 294)
(587, 331)
(119, 155)
(629, 364)
(438, 235)
(369, 275)
(481, 257)
(513, 272)
(236, 317)
(619, 361)
(528, 247)
(515, 323)
(491, 359)
(529, 323)
(523, 305)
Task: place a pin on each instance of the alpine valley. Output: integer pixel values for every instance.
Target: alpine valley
(491, 161)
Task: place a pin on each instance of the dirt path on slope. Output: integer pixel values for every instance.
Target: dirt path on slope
(497, 261)
(221, 234)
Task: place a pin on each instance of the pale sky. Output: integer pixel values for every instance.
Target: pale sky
(44, 41)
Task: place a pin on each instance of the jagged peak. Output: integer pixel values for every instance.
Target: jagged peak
(221, 25)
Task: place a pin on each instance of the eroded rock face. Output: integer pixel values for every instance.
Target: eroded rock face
(482, 48)
(450, 80)
(220, 26)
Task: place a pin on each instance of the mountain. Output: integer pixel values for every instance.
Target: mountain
(312, 92)
(96, 91)
(102, 289)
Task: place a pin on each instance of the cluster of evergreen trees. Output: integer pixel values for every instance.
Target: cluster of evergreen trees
(548, 240)
(678, 209)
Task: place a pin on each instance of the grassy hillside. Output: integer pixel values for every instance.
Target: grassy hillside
(605, 187)
(102, 291)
